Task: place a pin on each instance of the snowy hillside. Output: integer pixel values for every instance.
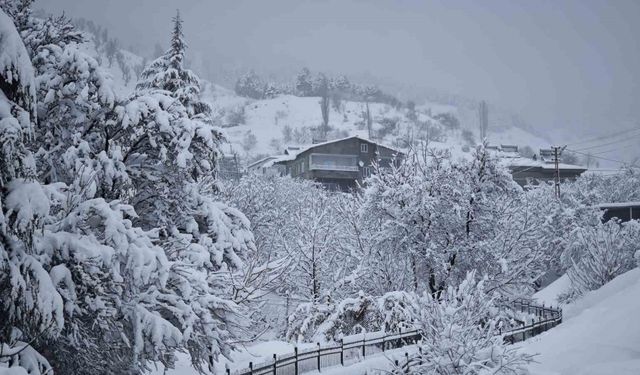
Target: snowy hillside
(268, 126)
(600, 334)
(255, 128)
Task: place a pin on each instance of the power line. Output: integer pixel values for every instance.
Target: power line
(610, 143)
(600, 157)
(616, 149)
(600, 138)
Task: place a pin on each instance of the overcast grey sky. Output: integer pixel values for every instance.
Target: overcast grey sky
(558, 63)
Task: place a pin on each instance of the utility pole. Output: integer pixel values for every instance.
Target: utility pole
(557, 151)
(483, 116)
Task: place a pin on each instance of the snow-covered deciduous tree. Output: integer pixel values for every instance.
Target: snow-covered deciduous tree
(461, 334)
(307, 233)
(604, 251)
(431, 215)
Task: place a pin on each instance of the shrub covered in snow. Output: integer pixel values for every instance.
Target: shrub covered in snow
(461, 334)
(330, 322)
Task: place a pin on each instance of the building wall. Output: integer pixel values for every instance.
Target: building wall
(624, 214)
(522, 175)
(345, 179)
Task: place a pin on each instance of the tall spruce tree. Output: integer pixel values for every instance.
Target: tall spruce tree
(170, 154)
(168, 73)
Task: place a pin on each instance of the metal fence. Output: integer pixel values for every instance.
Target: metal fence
(355, 348)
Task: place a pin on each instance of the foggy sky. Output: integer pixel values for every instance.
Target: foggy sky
(561, 64)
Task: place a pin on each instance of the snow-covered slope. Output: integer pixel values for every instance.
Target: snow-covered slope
(600, 334)
(549, 295)
(255, 128)
(269, 121)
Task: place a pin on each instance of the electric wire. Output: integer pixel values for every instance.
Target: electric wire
(600, 138)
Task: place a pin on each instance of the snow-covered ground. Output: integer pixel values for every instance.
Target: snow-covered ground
(549, 295)
(600, 334)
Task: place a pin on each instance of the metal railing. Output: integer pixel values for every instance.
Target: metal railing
(353, 349)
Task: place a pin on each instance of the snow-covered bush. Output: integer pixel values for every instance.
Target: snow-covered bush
(306, 318)
(461, 334)
(330, 322)
(605, 252)
(396, 311)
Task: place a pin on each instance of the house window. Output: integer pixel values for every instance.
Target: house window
(366, 172)
(364, 147)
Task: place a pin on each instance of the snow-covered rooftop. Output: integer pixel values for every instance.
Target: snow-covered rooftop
(520, 161)
(302, 149)
(292, 152)
(619, 204)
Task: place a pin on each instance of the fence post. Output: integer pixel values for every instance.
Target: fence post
(318, 357)
(228, 371)
(342, 352)
(251, 368)
(295, 364)
(275, 362)
(364, 345)
(406, 356)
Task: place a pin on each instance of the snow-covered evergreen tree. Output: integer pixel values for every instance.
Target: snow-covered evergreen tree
(168, 73)
(304, 85)
(251, 85)
(170, 152)
(29, 309)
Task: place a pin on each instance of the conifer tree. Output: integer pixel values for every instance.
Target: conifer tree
(168, 73)
(170, 152)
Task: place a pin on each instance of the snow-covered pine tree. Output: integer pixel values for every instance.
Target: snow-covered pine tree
(168, 73)
(170, 152)
(250, 85)
(303, 85)
(24, 284)
(73, 279)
